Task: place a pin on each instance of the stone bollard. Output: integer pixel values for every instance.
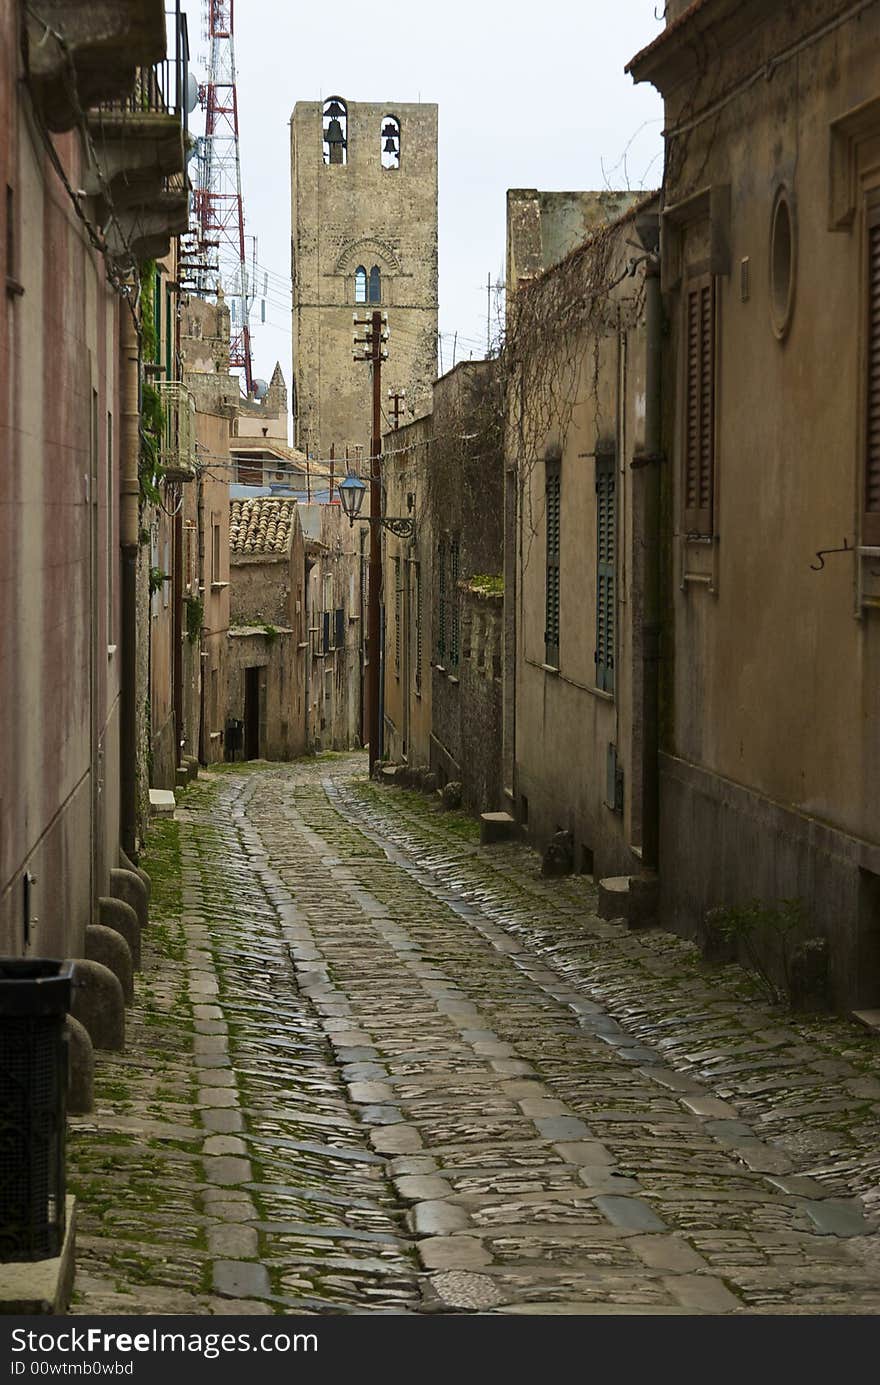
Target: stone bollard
(80, 1068)
(126, 864)
(108, 947)
(124, 884)
(115, 913)
(98, 1004)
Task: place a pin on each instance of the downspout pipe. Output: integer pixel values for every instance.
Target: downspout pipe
(129, 521)
(651, 461)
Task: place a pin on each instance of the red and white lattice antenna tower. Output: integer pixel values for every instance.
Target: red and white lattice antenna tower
(217, 203)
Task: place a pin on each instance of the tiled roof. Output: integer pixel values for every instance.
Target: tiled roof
(261, 525)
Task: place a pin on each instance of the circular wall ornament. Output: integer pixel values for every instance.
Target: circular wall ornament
(783, 263)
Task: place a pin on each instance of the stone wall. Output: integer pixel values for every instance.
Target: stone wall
(351, 214)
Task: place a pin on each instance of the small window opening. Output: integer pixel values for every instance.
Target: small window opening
(360, 284)
(335, 131)
(375, 285)
(390, 142)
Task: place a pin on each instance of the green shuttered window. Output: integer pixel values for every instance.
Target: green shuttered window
(699, 430)
(553, 515)
(454, 573)
(606, 549)
(441, 602)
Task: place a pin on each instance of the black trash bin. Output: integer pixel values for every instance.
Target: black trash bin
(34, 999)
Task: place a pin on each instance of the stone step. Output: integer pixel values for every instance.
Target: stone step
(629, 897)
(162, 802)
(496, 827)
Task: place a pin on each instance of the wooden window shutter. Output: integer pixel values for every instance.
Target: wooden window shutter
(699, 407)
(397, 605)
(871, 491)
(606, 553)
(553, 522)
(455, 597)
(441, 601)
(417, 578)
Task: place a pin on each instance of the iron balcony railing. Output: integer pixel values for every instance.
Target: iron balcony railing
(164, 88)
(177, 447)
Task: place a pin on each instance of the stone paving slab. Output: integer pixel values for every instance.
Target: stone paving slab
(374, 1067)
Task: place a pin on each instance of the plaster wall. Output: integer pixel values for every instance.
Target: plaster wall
(771, 680)
(564, 721)
(334, 582)
(59, 570)
(408, 563)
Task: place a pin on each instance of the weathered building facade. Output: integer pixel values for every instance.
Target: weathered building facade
(69, 379)
(770, 769)
(267, 664)
(443, 587)
(204, 350)
(578, 540)
(335, 596)
(364, 238)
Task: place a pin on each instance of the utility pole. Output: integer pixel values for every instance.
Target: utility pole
(488, 313)
(398, 398)
(374, 351)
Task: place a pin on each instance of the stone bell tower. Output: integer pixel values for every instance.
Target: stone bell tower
(364, 237)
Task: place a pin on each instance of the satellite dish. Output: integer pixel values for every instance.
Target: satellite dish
(192, 93)
(260, 389)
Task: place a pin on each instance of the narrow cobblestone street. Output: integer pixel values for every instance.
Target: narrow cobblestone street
(374, 1067)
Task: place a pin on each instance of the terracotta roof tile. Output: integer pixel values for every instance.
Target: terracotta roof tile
(262, 525)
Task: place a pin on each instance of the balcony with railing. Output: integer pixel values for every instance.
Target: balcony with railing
(139, 182)
(79, 53)
(177, 445)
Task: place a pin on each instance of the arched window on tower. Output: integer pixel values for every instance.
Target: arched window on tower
(389, 142)
(360, 284)
(375, 285)
(334, 130)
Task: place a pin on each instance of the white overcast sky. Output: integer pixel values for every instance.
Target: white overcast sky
(529, 96)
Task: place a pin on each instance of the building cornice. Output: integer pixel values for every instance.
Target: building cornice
(681, 49)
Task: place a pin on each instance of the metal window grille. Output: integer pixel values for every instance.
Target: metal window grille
(606, 546)
(553, 481)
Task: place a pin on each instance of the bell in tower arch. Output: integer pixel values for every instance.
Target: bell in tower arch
(335, 140)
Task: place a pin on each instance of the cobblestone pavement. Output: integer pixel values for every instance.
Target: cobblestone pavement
(373, 1067)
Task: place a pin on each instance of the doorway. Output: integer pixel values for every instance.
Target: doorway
(252, 713)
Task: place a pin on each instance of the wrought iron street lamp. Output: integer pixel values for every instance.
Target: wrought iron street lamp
(351, 494)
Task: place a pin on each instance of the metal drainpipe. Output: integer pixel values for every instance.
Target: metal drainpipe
(129, 520)
(651, 586)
